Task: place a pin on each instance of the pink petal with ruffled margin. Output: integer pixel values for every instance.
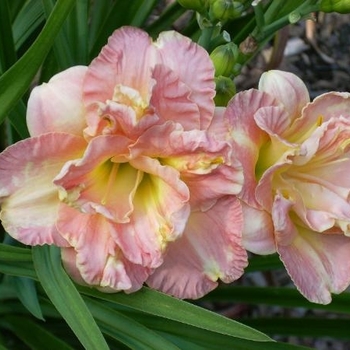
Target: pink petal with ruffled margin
(97, 184)
(197, 73)
(246, 137)
(258, 231)
(161, 210)
(327, 106)
(219, 124)
(171, 99)
(210, 249)
(288, 89)
(57, 106)
(29, 199)
(127, 59)
(121, 119)
(96, 259)
(318, 263)
(204, 162)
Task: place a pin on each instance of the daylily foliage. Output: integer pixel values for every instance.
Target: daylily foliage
(123, 171)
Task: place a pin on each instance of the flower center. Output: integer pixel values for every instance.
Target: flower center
(130, 97)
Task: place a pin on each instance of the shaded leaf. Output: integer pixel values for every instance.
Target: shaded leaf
(64, 296)
(126, 329)
(15, 81)
(32, 334)
(26, 293)
(159, 304)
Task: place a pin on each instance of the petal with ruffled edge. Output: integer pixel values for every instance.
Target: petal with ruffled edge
(171, 99)
(210, 249)
(29, 199)
(246, 137)
(318, 263)
(127, 59)
(323, 108)
(96, 259)
(258, 231)
(288, 89)
(57, 106)
(161, 210)
(97, 184)
(197, 73)
(203, 161)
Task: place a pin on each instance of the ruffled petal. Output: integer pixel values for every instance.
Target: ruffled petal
(119, 63)
(57, 106)
(98, 184)
(198, 74)
(246, 137)
(171, 99)
(286, 88)
(318, 263)
(204, 162)
(210, 249)
(219, 124)
(96, 259)
(258, 231)
(29, 199)
(161, 210)
(327, 106)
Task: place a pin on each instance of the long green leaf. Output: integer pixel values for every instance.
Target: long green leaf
(306, 326)
(32, 334)
(264, 263)
(7, 47)
(158, 304)
(28, 21)
(205, 339)
(62, 48)
(286, 297)
(65, 297)
(15, 254)
(125, 329)
(77, 31)
(121, 13)
(15, 81)
(26, 293)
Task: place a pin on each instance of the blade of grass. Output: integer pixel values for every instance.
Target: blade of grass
(32, 334)
(27, 294)
(63, 294)
(126, 329)
(28, 20)
(7, 48)
(159, 304)
(286, 297)
(306, 326)
(15, 81)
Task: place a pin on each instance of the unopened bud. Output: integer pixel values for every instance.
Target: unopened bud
(224, 58)
(225, 90)
(223, 10)
(196, 5)
(340, 6)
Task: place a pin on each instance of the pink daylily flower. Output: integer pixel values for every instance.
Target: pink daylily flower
(296, 163)
(124, 173)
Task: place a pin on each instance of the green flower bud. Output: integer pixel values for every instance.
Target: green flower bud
(196, 5)
(224, 58)
(223, 10)
(340, 6)
(225, 89)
